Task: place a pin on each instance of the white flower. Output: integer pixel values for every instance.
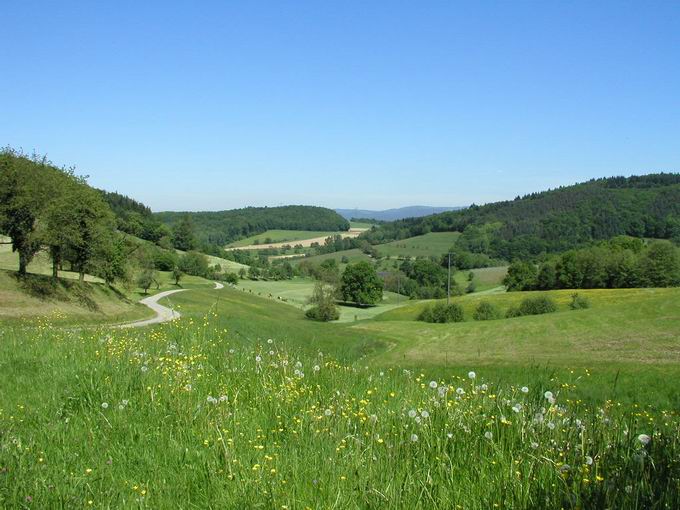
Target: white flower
(124, 402)
(460, 391)
(548, 395)
(412, 413)
(534, 445)
(551, 425)
(223, 398)
(418, 420)
(317, 368)
(589, 460)
(488, 434)
(424, 414)
(449, 435)
(414, 438)
(121, 407)
(187, 387)
(517, 408)
(298, 364)
(144, 368)
(442, 391)
(433, 384)
(328, 412)
(644, 439)
(524, 389)
(271, 353)
(484, 387)
(105, 405)
(382, 373)
(258, 359)
(538, 418)
(231, 351)
(270, 341)
(471, 374)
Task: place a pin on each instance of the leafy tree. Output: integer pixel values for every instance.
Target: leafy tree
(183, 234)
(24, 193)
(145, 279)
(323, 303)
(177, 274)
(194, 263)
(537, 305)
(660, 265)
(521, 276)
(360, 284)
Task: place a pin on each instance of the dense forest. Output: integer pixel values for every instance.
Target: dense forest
(223, 227)
(135, 218)
(557, 220)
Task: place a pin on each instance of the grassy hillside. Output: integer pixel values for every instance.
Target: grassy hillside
(36, 300)
(485, 278)
(432, 244)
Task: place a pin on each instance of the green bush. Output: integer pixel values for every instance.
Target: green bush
(442, 313)
(579, 302)
(513, 311)
(323, 313)
(231, 278)
(486, 311)
(537, 305)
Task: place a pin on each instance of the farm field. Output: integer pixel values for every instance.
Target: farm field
(485, 279)
(302, 238)
(278, 236)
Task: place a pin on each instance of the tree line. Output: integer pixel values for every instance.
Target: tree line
(621, 262)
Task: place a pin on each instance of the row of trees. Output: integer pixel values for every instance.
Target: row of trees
(622, 262)
(44, 207)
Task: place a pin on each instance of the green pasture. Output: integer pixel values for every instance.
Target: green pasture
(431, 244)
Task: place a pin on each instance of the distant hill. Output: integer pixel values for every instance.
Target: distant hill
(223, 227)
(558, 219)
(413, 211)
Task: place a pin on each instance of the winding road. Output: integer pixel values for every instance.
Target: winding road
(163, 313)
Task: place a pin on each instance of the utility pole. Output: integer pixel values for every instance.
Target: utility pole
(448, 283)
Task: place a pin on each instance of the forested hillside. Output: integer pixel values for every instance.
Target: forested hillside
(557, 220)
(134, 217)
(222, 227)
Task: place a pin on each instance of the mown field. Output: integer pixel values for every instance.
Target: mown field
(278, 236)
(249, 405)
(432, 244)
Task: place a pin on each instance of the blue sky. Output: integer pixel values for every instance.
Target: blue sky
(215, 105)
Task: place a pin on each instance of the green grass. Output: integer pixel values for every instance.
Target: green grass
(279, 236)
(191, 415)
(37, 299)
(360, 224)
(296, 292)
(432, 244)
(485, 279)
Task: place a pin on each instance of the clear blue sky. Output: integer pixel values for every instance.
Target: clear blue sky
(215, 105)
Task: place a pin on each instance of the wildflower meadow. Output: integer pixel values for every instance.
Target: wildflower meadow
(188, 416)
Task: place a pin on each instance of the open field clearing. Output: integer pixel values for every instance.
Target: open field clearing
(200, 414)
(279, 236)
(485, 278)
(297, 291)
(360, 224)
(432, 244)
(305, 243)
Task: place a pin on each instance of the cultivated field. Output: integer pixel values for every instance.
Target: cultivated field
(302, 238)
(432, 244)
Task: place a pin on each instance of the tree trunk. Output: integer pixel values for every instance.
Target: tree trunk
(55, 269)
(81, 276)
(22, 264)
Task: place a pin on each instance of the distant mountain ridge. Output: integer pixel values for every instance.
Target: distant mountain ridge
(413, 211)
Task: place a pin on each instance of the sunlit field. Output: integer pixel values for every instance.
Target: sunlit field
(188, 415)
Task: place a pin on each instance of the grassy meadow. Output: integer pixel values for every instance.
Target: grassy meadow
(426, 245)
(249, 405)
(279, 236)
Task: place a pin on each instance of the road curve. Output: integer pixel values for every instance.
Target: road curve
(163, 313)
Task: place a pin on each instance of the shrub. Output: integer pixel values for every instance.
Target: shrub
(486, 311)
(231, 278)
(471, 287)
(537, 305)
(323, 301)
(164, 260)
(442, 313)
(513, 311)
(579, 302)
(323, 313)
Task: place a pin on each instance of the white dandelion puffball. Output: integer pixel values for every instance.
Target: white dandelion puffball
(589, 460)
(517, 408)
(484, 387)
(433, 384)
(317, 368)
(525, 389)
(270, 341)
(328, 412)
(534, 445)
(412, 413)
(144, 368)
(105, 405)
(460, 391)
(258, 358)
(548, 395)
(424, 414)
(271, 353)
(449, 435)
(471, 374)
(644, 439)
(488, 434)
(414, 438)
(551, 425)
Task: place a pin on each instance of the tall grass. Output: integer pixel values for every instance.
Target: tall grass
(186, 416)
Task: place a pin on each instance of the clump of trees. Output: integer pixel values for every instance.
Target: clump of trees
(43, 207)
(622, 262)
(536, 305)
(487, 311)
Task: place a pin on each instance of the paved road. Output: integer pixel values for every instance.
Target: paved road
(163, 313)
